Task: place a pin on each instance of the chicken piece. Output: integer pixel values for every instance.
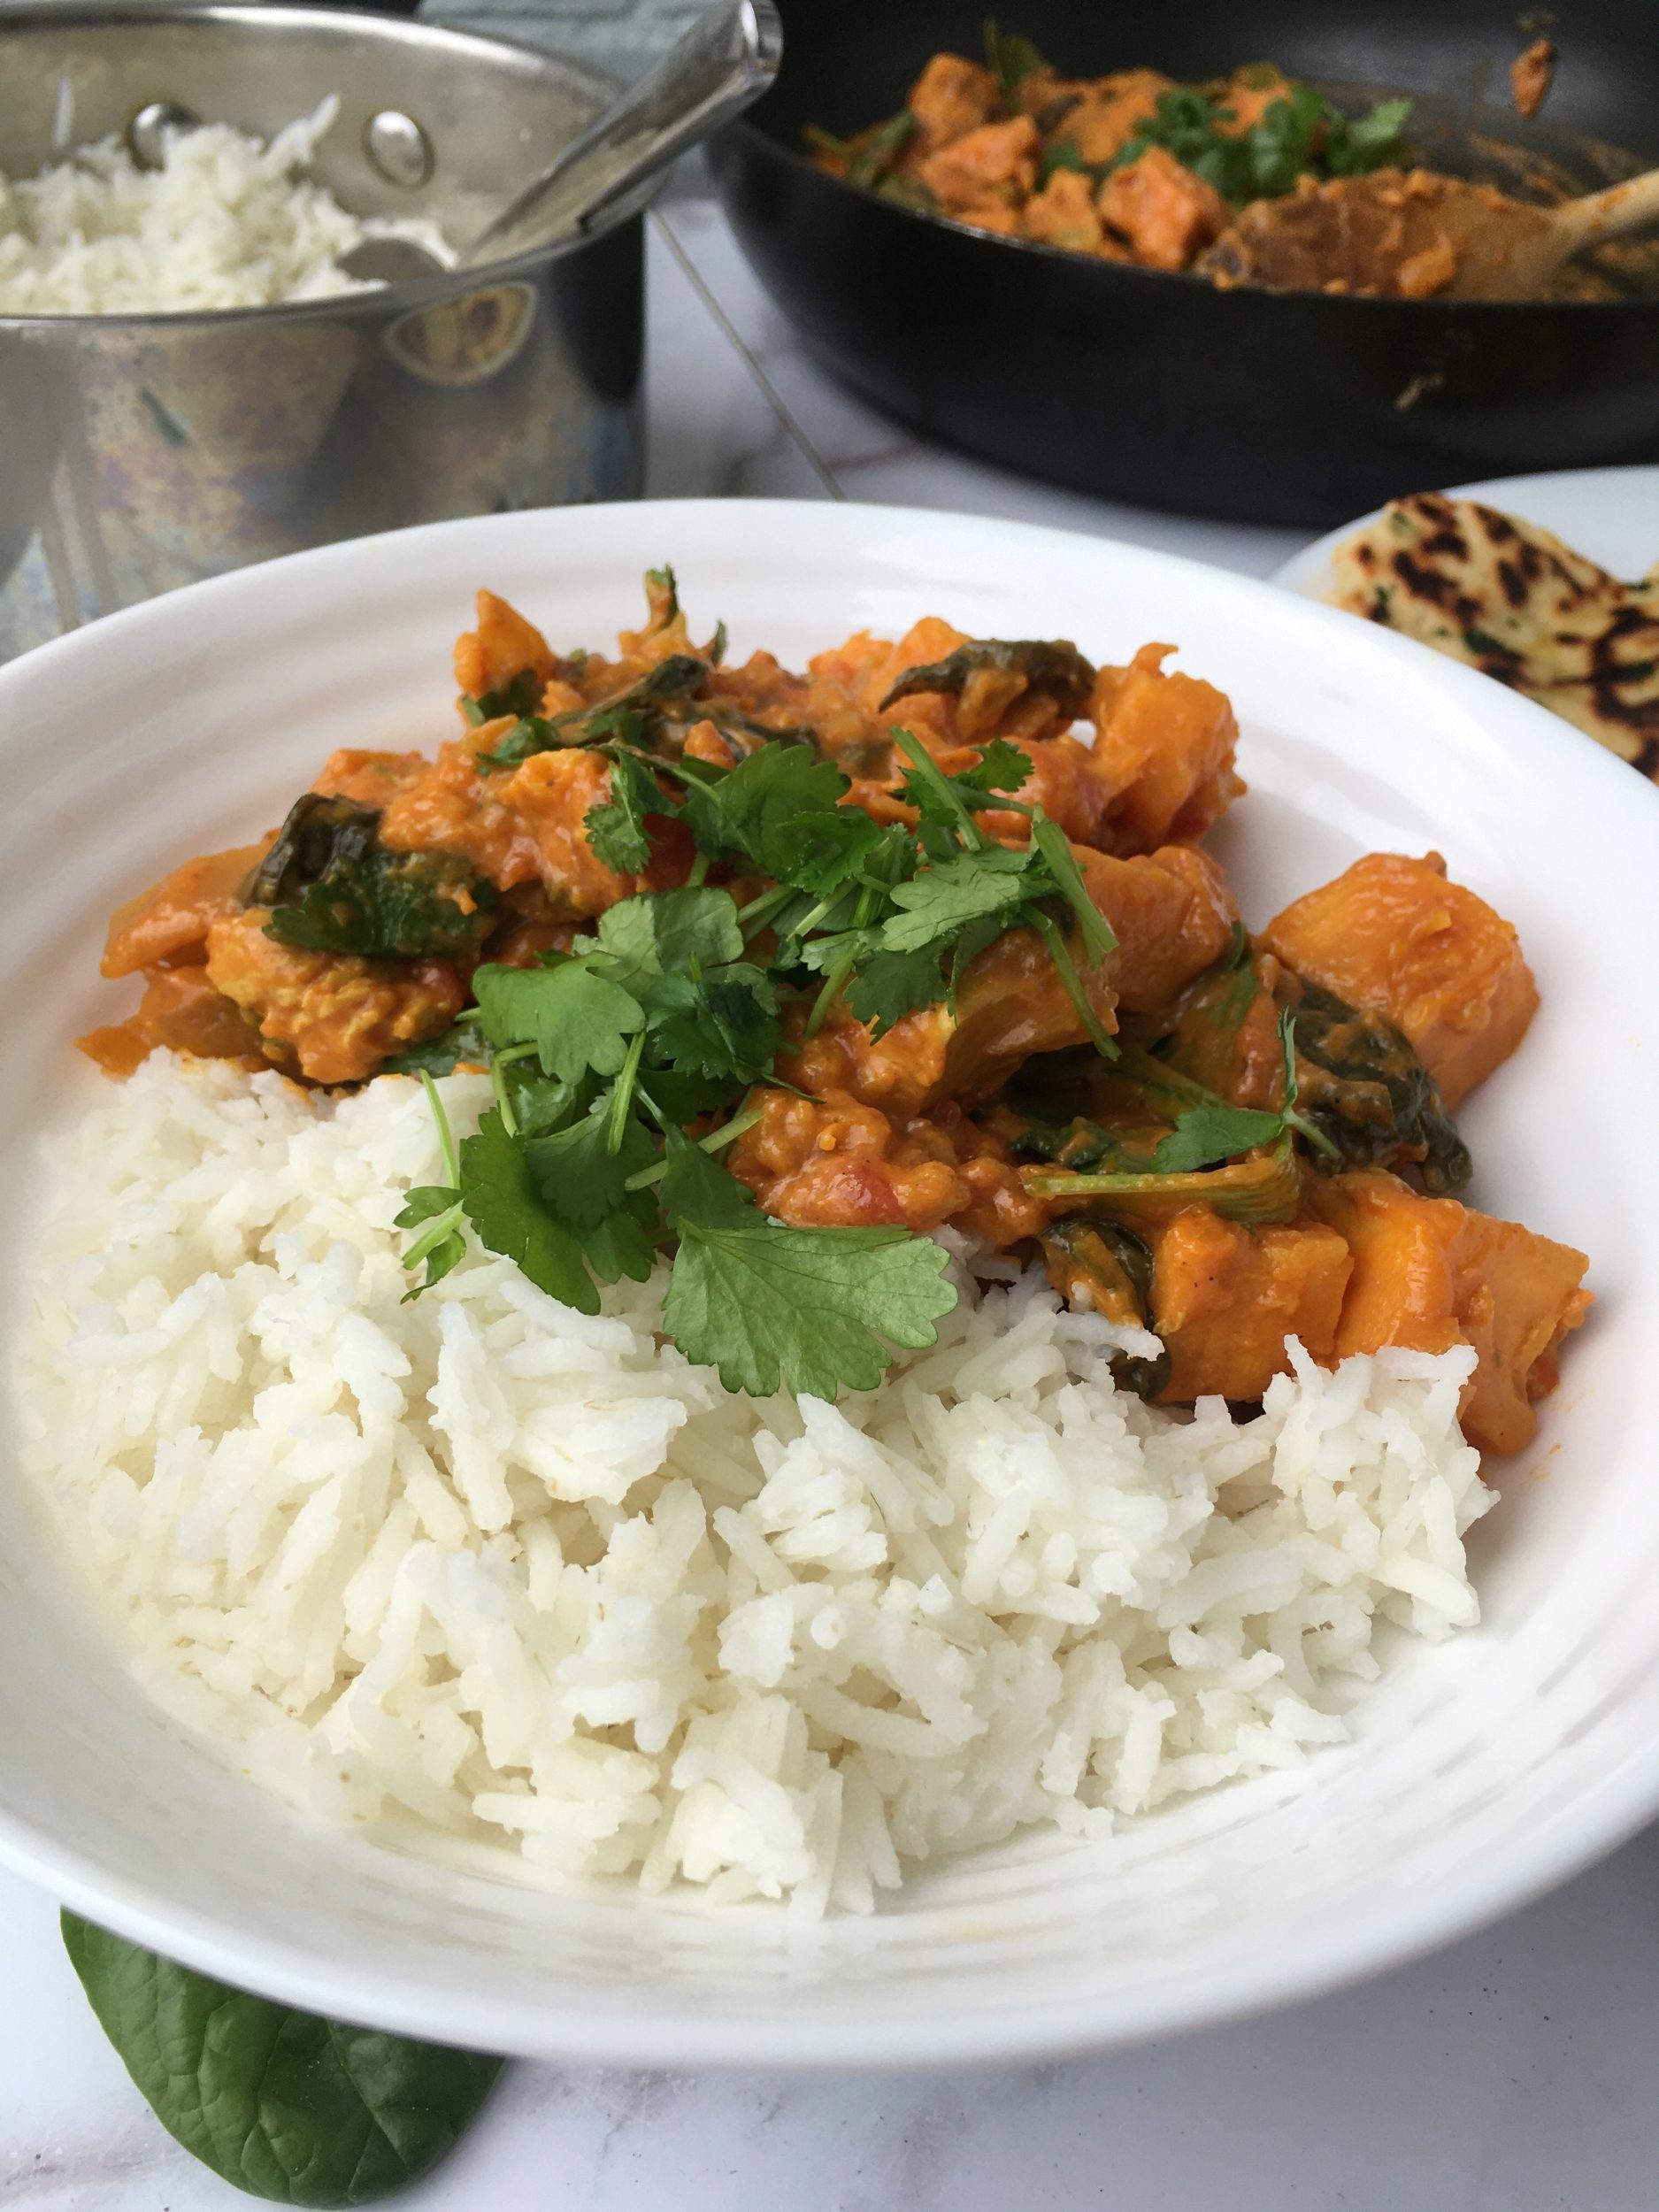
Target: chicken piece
(1393, 936)
(168, 923)
(835, 1162)
(1001, 217)
(997, 162)
(951, 97)
(1172, 913)
(1111, 113)
(503, 646)
(182, 1011)
(333, 1014)
(1429, 1274)
(370, 778)
(1225, 1299)
(1063, 213)
(1164, 748)
(1168, 214)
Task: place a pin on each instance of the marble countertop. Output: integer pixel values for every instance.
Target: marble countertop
(1514, 2070)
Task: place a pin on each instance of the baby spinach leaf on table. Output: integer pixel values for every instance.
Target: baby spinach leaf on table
(280, 2103)
(811, 1311)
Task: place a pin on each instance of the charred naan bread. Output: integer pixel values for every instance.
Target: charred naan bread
(1511, 599)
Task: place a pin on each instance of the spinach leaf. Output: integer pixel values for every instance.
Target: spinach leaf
(282, 2104)
(386, 905)
(1010, 59)
(332, 886)
(876, 150)
(1052, 665)
(462, 1040)
(1368, 1093)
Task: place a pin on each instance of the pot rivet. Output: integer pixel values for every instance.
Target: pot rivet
(399, 148)
(147, 133)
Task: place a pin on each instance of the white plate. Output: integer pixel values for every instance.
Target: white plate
(1608, 515)
(1485, 1769)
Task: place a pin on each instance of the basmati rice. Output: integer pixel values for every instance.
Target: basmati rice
(225, 222)
(531, 1577)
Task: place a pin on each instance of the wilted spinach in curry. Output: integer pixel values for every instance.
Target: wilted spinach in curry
(772, 973)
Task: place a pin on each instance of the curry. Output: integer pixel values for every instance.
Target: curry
(1063, 1042)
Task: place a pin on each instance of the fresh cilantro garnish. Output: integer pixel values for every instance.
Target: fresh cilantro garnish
(743, 1288)
(506, 1208)
(1300, 133)
(576, 1019)
(616, 827)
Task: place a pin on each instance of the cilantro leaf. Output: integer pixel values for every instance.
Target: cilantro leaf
(662, 933)
(952, 893)
(616, 827)
(576, 1018)
(811, 1310)
(1205, 1134)
(769, 810)
(725, 1025)
(511, 1215)
(436, 1210)
(623, 1243)
(891, 985)
(576, 1171)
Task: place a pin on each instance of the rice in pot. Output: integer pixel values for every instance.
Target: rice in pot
(531, 1577)
(226, 222)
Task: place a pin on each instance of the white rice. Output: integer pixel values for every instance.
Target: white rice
(225, 222)
(532, 1577)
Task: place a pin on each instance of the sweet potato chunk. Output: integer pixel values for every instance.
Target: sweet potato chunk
(1225, 1298)
(1063, 213)
(1394, 936)
(1429, 1274)
(169, 923)
(1164, 744)
(951, 96)
(503, 645)
(996, 162)
(1167, 213)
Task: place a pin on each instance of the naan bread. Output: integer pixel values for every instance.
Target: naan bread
(1511, 599)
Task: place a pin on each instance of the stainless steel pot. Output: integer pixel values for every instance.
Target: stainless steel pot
(143, 451)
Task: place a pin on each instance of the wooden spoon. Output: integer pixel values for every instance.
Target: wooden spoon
(1413, 234)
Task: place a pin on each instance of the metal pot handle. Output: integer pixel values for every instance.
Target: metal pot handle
(724, 63)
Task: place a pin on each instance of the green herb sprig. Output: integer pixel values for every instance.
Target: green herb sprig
(670, 1014)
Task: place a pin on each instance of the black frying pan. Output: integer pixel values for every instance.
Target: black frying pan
(1294, 408)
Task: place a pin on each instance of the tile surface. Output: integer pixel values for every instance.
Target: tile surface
(1514, 2070)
